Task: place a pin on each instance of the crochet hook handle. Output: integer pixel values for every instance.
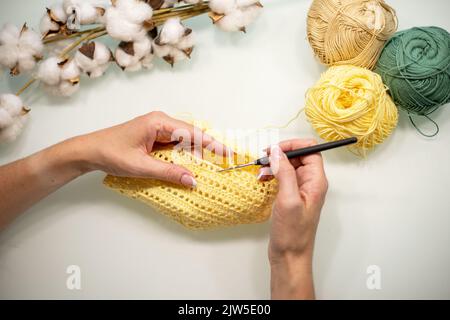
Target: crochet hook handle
(310, 150)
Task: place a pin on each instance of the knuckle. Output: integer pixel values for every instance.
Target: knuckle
(157, 113)
(288, 204)
(171, 173)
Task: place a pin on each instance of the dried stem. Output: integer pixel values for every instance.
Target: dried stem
(159, 17)
(26, 86)
(71, 36)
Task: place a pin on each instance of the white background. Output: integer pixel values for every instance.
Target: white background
(390, 210)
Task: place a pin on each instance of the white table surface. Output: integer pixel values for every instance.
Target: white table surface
(390, 210)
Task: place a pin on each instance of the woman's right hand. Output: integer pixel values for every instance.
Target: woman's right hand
(295, 217)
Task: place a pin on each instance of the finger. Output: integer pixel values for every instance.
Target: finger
(264, 174)
(285, 174)
(153, 168)
(170, 130)
(312, 159)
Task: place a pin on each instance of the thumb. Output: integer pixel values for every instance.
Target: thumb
(169, 172)
(285, 173)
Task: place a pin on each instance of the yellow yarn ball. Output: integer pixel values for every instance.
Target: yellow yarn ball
(350, 31)
(350, 101)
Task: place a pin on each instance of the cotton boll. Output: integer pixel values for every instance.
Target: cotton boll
(246, 3)
(171, 32)
(5, 119)
(11, 133)
(49, 71)
(135, 11)
(67, 89)
(223, 6)
(147, 61)
(93, 58)
(232, 22)
(58, 13)
(9, 34)
(70, 70)
(125, 20)
(31, 41)
(186, 42)
(142, 47)
(161, 50)
(53, 19)
(250, 14)
(12, 117)
(86, 12)
(132, 56)
(8, 56)
(47, 25)
(102, 54)
(12, 104)
(25, 61)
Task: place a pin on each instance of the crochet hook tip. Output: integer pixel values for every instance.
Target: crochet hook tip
(237, 167)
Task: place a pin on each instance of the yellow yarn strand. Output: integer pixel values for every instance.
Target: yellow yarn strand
(352, 32)
(349, 101)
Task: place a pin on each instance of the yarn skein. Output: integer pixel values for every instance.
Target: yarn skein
(353, 32)
(350, 101)
(415, 65)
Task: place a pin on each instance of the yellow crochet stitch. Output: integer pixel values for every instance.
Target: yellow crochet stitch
(220, 198)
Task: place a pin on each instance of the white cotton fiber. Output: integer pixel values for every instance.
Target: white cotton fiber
(19, 49)
(223, 6)
(140, 57)
(124, 21)
(11, 117)
(49, 71)
(171, 32)
(85, 11)
(186, 42)
(238, 14)
(70, 70)
(11, 103)
(9, 34)
(96, 65)
(5, 119)
(8, 56)
(48, 25)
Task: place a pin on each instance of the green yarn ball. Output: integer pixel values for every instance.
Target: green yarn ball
(415, 66)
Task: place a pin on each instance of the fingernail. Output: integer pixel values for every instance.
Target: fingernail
(188, 181)
(275, 152)
(264, 171)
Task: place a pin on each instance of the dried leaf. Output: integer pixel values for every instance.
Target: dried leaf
(24, 111)
(127, 47)
(74, 81)
(169, 59)
(155, 4)
(188, 51)
(24, 28)
(153, 33)
(15, 71)
(63, 62)
(215, 16)
(100, 11)
(259, 4)
(149, 24)
(187, 32)
(88, 49)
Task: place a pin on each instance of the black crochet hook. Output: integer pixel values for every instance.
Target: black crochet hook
(299, 152)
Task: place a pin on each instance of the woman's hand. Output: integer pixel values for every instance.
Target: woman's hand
(295, 217)
(123, 150)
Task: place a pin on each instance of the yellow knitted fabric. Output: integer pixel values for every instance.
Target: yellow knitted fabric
(220, 198)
